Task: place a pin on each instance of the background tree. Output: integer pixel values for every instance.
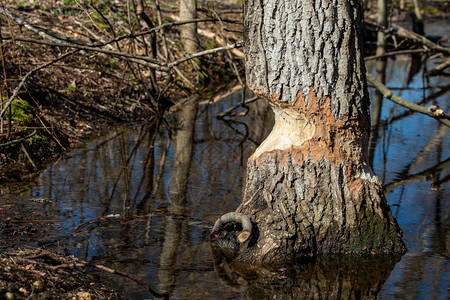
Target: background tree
(188, 32)
(309, 187)
(377, 101)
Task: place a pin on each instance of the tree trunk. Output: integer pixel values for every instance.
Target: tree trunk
(309, 187)
(380, 66)
(188, 11)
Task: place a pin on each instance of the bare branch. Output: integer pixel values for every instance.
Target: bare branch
(432, 111)
(402, 32)
(409, 35)
(393, 53)
(50, 35)
(439, 68)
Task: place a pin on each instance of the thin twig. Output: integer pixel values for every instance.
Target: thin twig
(162, 33)
(28, 156)
(202, 53)
(229, 110)
(393, 53)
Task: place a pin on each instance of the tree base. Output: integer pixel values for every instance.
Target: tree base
(302, 208)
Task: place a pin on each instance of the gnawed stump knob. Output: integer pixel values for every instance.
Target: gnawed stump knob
(234, 217)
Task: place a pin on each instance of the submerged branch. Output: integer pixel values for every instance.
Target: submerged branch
(432, 111)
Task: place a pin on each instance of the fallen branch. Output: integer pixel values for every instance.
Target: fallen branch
(432, 111)
(19, 87)
(50, 35)
(153, 63)
(103, 268)
(28, 156)
(150, 62)
(409, 35)
(19, 140)
(404, 33)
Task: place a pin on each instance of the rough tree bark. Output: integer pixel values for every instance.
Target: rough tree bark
(309, 187)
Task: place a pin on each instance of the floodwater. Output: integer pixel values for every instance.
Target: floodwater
(142, 201)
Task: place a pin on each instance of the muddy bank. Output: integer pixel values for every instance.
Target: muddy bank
(35, 273)
(68, 94)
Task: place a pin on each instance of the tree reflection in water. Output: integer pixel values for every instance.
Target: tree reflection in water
(178, 187)
(165, 201)
(351, 277)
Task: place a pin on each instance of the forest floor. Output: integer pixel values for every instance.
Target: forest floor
(66, 104)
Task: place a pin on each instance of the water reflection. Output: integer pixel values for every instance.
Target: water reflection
(412, 159)
(178, 187)
(142, 199)
(341, 278)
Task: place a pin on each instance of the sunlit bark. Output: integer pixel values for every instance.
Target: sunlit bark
(309, 187)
